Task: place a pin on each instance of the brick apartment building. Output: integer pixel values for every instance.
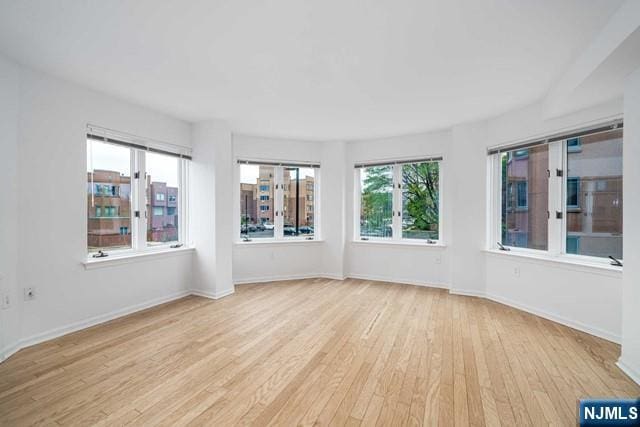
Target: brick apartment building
(594, 196)
(257, 200)
(109, 210)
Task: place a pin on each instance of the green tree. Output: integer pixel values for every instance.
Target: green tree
(420, 195)
(377, 188)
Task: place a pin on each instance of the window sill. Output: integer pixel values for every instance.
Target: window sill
(119, 259)
(271, 242)
(579, 264)
(401, 243)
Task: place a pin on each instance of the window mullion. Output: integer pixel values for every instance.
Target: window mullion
(279, 203)
(140, 200)
(556, 181)
(397, 203)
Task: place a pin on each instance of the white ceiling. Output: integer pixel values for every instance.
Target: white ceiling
(313, 69)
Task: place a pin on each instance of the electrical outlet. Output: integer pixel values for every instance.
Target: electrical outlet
(6, 301)
(29, 294)
(516, 271)
(438, 260)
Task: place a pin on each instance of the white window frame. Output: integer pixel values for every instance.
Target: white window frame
(397, 209)
(557, 227)
(278, 202)
(138, 225)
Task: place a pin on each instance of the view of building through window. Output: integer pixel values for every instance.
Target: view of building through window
(420, 200)
(298, 185)
(257, 191)
(594, 195)
(525, 197)
(258, 208)
(108, 196)
(376, 201)
(162, 198)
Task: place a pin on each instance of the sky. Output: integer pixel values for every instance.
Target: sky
(116, 158)
(249, 173)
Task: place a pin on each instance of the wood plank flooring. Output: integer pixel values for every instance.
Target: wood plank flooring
(315, 351)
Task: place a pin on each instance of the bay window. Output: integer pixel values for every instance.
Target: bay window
(399, 201)
(277, 201)
(561, 195)
(136, 198)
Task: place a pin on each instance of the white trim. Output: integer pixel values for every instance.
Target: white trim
(96, 320)
(568, 262)
(413, 282)
(400, 243)
(274, 242)
(628, 370)
(212, 295)
(601, 333)
(282, 278)
(9, 351)
(130, 257)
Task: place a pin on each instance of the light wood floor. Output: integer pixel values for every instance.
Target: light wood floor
(314, 351)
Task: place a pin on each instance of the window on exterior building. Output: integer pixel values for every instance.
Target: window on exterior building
(594, 196)
(108, 166)
(274, 201)
(162, 179)
(563, 196)
(124, 180)
(399, 201)
(421, 200)
(524, 172)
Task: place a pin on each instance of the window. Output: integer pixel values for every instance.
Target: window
(299, 183)
(276, 201)
(594, 195)
(573, 193)
(125, 179)
(399, 201)
(421, 200)
(525, 171)
(162, 178)
(108, 166)
(376, 201)
(563, 196)
(522, 195)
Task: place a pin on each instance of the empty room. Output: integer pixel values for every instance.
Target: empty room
(298, 212)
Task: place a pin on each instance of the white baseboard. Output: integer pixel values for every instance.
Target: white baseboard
(609, 336)
(9, 350)
(212, 295)
(96, 320)
(87, 323)
(280, 278)
(631, 372)
(467, 293)
(401, 281)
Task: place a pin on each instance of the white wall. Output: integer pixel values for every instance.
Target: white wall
(589, 299)
(210, 213)
(52, 209)
(421, 265)
(630, 358)
(9, 110)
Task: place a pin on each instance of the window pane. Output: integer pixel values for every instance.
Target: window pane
(162, 194)
(108, 196)
(420, 213)
(256, 201)
(594, 195)
(525, 197)
(376, 201)
(298, 201)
